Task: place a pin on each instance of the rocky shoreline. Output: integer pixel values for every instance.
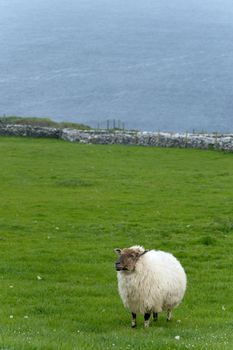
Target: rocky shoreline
(158, 139)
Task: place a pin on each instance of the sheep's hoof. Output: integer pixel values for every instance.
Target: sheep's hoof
(146, 324)
(155, 316)
(169, 316)
(133, 324)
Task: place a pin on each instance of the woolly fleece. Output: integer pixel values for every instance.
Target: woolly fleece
(157, 284)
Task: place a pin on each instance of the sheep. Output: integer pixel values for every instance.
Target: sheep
(149, 281)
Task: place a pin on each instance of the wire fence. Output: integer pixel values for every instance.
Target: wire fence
(111, 124)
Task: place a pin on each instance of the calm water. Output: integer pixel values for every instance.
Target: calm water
(155, 64)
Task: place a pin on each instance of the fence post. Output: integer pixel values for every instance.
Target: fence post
(186, 139)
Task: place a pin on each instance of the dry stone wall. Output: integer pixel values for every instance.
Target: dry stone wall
(201, 141)
(28, 130)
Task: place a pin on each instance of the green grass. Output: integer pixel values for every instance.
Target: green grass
(63, 209)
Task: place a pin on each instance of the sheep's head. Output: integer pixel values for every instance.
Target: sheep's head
(128, 258)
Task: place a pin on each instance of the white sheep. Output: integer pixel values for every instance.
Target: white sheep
(149, 282)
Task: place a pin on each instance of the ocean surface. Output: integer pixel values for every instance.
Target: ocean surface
(156, 65)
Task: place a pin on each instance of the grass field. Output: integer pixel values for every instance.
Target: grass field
(63, 209)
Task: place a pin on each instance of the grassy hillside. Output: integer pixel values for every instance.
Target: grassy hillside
(64, 207)
(44, 122)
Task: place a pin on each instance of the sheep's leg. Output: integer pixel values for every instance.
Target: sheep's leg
(146, 320)
(169, 315)
(133, 323)
(155, 316)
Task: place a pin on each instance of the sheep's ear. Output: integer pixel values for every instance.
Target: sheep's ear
(118, 251)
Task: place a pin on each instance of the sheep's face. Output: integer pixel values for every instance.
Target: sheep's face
(127, 259)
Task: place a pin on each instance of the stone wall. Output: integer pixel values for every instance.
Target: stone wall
(28, 130)
(202, 141)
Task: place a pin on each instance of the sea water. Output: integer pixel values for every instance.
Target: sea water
(153, 64)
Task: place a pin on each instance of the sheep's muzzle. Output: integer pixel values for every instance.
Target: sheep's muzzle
(119, 267)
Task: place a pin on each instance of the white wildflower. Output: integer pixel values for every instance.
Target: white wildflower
(177, 337)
